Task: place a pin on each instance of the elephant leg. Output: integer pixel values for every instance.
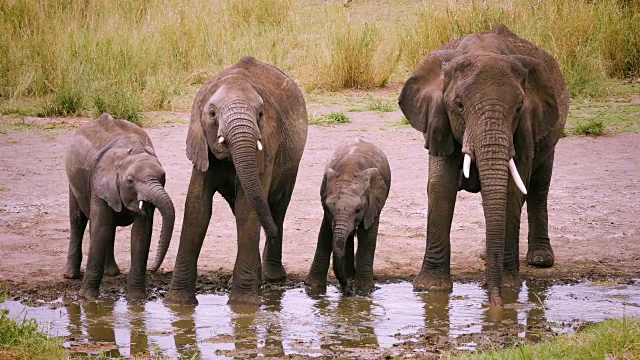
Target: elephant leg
(511, 267)
(197, 214)
(247, 271)
(540, 252)
(317, 276)
(442, 188)
(102, 233)
(140, 244)
(272, 269)
(349, 261)
(78, 224)
(110, 266)
(367, 239)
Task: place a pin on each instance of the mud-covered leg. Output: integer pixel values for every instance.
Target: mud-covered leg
(540, 252)
(317, 276)
(197, 214)
(247, 271)
(110, 266)
(78, 224)
(367, 239)
(102, 230)
(441, 191)
(140, 243)
(272, 268)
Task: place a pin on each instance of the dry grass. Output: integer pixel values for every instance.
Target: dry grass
(126, 57)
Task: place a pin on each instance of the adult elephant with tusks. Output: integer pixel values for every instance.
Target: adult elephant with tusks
(489, 106)
(247, 134)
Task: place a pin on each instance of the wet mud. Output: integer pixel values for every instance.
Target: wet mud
(295, 321)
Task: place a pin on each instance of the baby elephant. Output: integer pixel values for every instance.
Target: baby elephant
(115, 179)
(354, 189)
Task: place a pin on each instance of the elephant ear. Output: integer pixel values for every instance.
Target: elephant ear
(378, 192)
(540, 113)
(105, 178)
(197, 148)
(421, 103)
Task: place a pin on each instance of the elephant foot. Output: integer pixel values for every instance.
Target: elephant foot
(541, 257)
(273, 273)
(89, 294)
(136, 295)
(495, 300)
(363, 286)
(71, 272)
(429, 281)
(180, 298)
(511, 280)
(243, 299)
(315, 281)
(111, 269)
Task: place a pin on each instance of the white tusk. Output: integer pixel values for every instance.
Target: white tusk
(259, 145)
(140, 205)
(516, 177)
(466, 165)
(220, 139)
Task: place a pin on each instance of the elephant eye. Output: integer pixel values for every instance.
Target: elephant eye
(212, 113)
(459, 105)
(519, 110)
(130, 179)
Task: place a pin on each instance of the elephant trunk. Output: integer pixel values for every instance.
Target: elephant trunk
(342, 228)
(492, 157)
(242, 137)
(157, 195)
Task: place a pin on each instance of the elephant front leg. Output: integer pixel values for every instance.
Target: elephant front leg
(140, 243)
(272, 268)
(247, 271)
(540, 252)
(442, 188)
(317, 276)
(110, 266)
(78, 224)
(197, 214)
(367, 239)
(102, 232)
(511, 267)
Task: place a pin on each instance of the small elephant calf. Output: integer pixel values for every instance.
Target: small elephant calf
(115, 179)
(354, 190)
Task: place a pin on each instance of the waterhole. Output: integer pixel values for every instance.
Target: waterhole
(391, 320)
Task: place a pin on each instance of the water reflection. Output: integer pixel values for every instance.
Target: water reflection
(295, 321)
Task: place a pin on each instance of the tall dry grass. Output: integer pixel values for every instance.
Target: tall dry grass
(126, 57)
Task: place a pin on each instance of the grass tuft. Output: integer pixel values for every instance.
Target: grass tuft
(23, 340)
(333, 118)
(375, 104)
(592, 127)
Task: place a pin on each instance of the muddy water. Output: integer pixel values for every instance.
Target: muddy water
(295, 321)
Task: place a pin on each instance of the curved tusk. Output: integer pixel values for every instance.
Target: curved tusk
(140, 205)
(220, 139)
(259, 145)
(516, 177)
(466, 165)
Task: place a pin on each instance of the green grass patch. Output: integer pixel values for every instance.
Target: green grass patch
(377, 104)
(21, 339)
(2, 188)
(612, 339)
(589, 117)
(332, 118)
(593, 127)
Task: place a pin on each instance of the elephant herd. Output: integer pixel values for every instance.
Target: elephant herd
(491, 108)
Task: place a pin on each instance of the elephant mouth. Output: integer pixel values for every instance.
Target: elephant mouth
(513, 170)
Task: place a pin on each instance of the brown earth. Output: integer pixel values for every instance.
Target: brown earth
(593, 206)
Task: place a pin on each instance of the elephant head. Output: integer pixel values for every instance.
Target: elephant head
(228, 119)
(133, 177)
(486, 100)
(352, 200)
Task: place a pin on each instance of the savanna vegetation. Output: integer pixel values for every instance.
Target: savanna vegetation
(89, 56)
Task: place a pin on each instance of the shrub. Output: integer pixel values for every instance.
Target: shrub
(332, 118)
(593, 127)
(381, 105)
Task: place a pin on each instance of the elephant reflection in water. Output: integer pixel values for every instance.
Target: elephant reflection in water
(436, 312)
(349, 323)
(246, 328)
(185, 334)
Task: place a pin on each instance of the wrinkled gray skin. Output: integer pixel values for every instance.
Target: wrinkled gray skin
(495, 97)
(354, 189)
(111, 166)
(247, 102)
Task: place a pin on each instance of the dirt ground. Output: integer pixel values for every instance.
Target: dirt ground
(593, 206)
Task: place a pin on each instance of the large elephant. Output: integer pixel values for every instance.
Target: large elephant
(354, 190)
(488, 105)
(247, 134)
(115, 179)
